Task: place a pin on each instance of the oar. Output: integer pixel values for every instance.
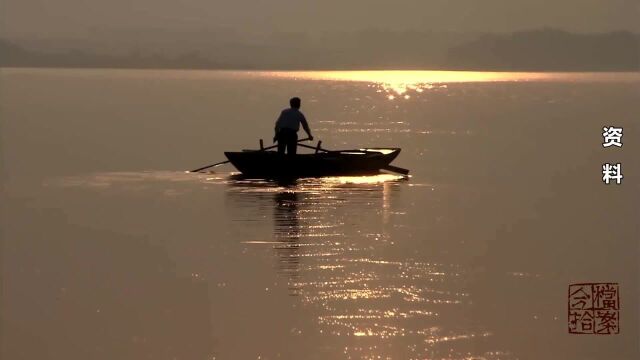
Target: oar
(224, 162)
(391, 168)
(396, 169)
(209, 166)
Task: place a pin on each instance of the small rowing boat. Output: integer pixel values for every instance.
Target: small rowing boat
(269, 164)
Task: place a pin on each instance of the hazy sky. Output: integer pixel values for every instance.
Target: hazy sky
(64, 18)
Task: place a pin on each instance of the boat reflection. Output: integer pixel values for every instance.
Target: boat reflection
(304, 209)
(335, 241)
(287, 233)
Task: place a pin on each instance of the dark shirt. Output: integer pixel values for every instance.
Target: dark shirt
(291, 119)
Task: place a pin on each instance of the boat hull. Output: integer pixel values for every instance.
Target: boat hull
(270, 164)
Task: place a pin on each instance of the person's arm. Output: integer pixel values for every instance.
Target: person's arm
(305, 126)
(277, 128)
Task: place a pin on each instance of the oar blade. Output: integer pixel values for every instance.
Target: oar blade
(396, 169)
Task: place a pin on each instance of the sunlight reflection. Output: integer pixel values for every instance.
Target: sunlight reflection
(373, 179)
(397, 83)
(349, 277)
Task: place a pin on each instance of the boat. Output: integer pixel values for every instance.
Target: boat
(269, 164)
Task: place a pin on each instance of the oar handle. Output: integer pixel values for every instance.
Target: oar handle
(316, 148)
(275, 146)
(262, 148)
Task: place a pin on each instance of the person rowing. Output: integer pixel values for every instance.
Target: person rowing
(288, 125)
(269, 164)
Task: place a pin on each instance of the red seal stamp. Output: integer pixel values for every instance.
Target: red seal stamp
(594, 308)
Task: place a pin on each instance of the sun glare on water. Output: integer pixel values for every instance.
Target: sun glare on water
(398, 84)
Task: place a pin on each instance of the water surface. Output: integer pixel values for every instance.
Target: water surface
(112, 251)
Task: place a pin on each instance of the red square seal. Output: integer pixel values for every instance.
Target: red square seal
(594, 308)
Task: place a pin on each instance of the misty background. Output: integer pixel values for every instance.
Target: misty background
(285, 34)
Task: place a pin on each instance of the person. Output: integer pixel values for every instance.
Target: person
(287, 127)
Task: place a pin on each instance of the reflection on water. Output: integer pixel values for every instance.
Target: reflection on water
(468, 260)
(333, 241)
(401, 83)
(368, 300)
(287, 234)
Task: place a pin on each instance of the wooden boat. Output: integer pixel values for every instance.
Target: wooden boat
(264, 164)
(270, 164)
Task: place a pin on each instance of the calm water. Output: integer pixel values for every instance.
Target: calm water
(111, 251)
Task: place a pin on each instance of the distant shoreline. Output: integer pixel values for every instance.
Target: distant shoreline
(538, 50)
(630, 71)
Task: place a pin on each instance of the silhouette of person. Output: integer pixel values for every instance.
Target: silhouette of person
(287, 127)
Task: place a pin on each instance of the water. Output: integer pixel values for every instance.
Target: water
(111, 251)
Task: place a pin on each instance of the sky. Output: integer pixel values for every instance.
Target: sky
(81, 18)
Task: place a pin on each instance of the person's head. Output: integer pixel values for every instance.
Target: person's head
(295, 102)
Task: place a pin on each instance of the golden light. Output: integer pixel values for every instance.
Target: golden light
(372, 179)
(398, 82)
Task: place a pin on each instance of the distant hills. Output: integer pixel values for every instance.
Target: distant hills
(535, 50)
(549, 50)
(12, 55)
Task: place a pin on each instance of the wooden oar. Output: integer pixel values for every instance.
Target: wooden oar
(391, 168)
(209, 166)
(224, 162)
(396, 169)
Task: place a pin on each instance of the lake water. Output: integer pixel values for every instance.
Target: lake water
(112, 251)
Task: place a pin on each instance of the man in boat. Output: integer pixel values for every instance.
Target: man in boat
(287, 127)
